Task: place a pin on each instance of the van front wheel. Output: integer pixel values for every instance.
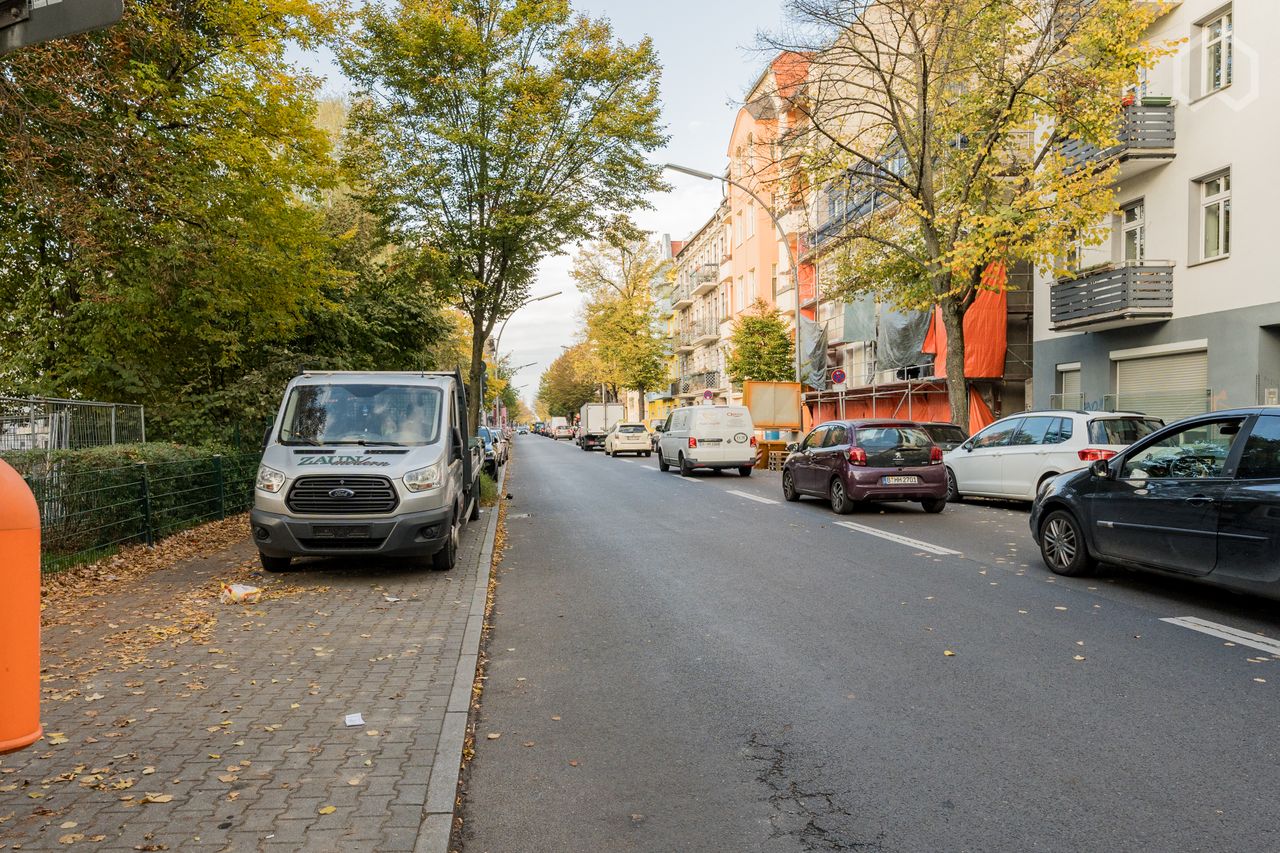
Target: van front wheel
(447, 557)
(275, 564)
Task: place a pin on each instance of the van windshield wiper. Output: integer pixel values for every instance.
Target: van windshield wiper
(314, 442)
(366, 443)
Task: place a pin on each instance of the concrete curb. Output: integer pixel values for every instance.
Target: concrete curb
(442, 785)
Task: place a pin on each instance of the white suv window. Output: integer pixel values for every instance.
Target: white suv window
(997, 435)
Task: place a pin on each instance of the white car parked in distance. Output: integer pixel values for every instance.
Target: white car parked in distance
(708, 437)
(627, 438)
(1015, 456)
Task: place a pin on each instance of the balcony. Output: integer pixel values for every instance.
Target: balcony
(681, 298)
(693, 384)
(706, 332)
(684, 342)
(705, 278)
(1125, 294)
(1145, 141)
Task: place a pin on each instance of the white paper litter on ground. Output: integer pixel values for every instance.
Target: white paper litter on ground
(355, 720)
(391, 599)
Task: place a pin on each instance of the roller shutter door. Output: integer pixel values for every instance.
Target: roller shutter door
(1070, 396)
(1166, 386)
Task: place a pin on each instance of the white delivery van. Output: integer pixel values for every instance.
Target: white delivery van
(708, 437)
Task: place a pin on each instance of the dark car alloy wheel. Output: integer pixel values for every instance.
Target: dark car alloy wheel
(1062, 546)
(840, 502)
(789, 487)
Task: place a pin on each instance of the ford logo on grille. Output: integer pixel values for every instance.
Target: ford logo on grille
(341, 493)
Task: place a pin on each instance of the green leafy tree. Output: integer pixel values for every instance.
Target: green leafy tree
(931, 111)
(499, 131)
(761, 347)
(159, 225)
(568, 383)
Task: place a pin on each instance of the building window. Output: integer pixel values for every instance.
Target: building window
(1218, 52)
(751, 287)
(1215, 216)
(737, 295)
(1134, 218)
(751, 219)
(773, 283)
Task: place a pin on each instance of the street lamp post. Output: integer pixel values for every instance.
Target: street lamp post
(791, 254)
(498, 338)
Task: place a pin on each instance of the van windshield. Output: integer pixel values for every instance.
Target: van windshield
(406, 415)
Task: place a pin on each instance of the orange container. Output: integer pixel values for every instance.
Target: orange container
(19, 613)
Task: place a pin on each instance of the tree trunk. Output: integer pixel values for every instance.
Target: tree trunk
(957, 384)
(475, 399)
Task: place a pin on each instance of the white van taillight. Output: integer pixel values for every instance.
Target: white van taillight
(1094, 454)
(693, 442)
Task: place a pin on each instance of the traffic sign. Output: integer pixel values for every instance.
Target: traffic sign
(27, 22)
(838, 376)
(708, 394)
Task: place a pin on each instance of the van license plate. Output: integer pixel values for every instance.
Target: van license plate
(340, 531)
(901, 481)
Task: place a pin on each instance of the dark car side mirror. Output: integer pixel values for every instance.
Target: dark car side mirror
(792, 447)
(1101, 469)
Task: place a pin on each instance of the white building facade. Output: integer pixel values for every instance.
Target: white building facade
(1179, 311)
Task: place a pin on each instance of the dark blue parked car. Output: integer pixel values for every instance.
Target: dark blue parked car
(1199, 498)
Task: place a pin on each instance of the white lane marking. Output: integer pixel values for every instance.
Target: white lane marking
(901, 540)
(749, 497)
(1226, 632)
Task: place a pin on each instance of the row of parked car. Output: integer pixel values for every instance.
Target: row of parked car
(1199, 498)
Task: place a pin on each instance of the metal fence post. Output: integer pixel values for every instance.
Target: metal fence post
(222, 490)
(145, 487)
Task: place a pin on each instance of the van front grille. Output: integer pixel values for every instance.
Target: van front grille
(316, 496)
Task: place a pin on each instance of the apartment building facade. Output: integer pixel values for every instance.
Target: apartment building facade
(1178, 311)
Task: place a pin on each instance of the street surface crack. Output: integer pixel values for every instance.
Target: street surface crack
(803, 808)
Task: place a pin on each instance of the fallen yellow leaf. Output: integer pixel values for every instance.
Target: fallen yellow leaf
(949, 653)
(327, 809)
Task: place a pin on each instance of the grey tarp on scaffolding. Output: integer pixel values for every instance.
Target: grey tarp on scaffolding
(899, 338)
(860, 320)
(813, 353)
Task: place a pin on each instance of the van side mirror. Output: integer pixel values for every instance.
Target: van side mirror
(1101, 469)
(266, 436)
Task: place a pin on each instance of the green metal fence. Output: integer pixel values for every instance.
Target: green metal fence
(90, 513)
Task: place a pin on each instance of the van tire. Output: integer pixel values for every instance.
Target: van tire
(447, 557)
(662, 463)
(744, 471)
(647, 454)
(685, 469)
(474, 515)
(275, 564)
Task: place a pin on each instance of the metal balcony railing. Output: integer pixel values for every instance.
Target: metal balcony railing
(682, 297)
(1117, 294)
(696, 383)
(1145, 131)
(705, 279)
(1070, 402)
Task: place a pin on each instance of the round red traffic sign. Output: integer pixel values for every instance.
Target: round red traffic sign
(837, 376)
(708, 394)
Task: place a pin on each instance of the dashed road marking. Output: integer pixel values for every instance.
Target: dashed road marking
(749, 497)
(1226, 632)
(901, 540)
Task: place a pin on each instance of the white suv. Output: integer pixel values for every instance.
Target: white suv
(1015, 456)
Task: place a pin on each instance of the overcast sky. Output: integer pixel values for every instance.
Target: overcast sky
(709, 59)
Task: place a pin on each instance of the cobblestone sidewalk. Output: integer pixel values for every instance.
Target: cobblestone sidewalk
(175, 722)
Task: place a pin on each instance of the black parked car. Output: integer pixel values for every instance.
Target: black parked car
(1199, 498)
(947, 436)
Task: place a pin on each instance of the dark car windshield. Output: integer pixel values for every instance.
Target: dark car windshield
(895, 446)
(948, 434)
(361, 414)
(1121, 430)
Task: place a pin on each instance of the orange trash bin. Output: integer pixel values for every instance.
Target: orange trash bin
(19, 613)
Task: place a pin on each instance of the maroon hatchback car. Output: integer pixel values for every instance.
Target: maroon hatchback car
(847, 462)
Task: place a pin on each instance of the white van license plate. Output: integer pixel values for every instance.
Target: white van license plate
(900, 481)
(324, 531)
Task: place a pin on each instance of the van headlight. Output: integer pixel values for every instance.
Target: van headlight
(269, 479)
(424, 479)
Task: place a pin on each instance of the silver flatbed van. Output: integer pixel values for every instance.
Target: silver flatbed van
(367, 463)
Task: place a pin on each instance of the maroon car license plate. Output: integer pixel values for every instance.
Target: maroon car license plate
(900, 480)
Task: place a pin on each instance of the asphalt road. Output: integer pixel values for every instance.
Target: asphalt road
(679, 665)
